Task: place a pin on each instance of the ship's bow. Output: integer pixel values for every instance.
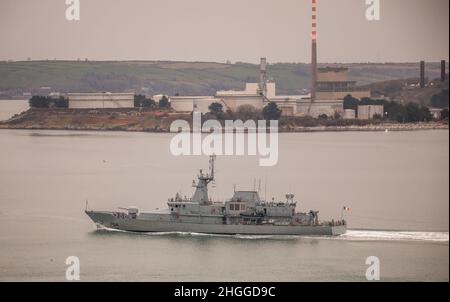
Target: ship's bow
(100, 217)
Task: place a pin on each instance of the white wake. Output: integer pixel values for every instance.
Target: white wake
(394, 236)
(351, 235)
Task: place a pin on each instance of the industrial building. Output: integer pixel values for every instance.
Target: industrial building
(349, 114)
(368, 112)
(230, 100)
(329, 86)
(333, 84)
(252, 95)
(101, 100)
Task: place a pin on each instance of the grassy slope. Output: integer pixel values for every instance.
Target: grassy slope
(191, 78)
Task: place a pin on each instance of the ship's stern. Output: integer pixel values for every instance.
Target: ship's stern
(337, 230)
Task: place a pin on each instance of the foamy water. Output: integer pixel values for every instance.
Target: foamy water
(357, 235)
(395, 235)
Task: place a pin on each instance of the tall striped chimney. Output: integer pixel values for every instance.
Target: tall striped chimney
(314, 50)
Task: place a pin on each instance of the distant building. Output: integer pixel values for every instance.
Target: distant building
(230, 99)
(367, 112)
(251, 95)
(193, 103)
(349, 114)
(315, 108)
(158, 97)
(333, 84)
(54, 95)
(256, 95)
(101, 100)
(436, 112)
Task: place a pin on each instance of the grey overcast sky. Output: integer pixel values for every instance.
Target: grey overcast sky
(220, 30)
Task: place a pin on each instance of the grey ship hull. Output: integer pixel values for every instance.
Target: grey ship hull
(108, 219)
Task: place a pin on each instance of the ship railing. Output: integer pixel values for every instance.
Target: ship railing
(334, 222)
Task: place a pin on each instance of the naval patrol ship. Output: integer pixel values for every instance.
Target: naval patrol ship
(244, 214)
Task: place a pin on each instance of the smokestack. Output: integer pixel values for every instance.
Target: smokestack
(422, 74)
(314, 50)
(443, 71)
(263, 77)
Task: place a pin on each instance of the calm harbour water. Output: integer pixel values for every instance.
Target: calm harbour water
(396, 184)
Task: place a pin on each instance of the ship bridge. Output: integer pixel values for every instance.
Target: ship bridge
(244, 196)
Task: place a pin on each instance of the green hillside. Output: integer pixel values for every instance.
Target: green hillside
(184, 78)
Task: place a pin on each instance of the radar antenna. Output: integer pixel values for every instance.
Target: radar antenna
(201, 191)
(212, 160)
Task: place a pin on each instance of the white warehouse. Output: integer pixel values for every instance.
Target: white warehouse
(101, 100)
(368, 112)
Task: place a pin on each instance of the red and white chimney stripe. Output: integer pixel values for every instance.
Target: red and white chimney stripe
(314, 20)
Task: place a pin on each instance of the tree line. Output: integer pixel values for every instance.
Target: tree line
(246, 112)
(39, 101)
(141, 101)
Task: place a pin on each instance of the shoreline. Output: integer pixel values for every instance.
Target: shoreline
(370, 128)
(125, 120)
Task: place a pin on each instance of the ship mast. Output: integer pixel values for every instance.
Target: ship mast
(201, 187)
(212, 160)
